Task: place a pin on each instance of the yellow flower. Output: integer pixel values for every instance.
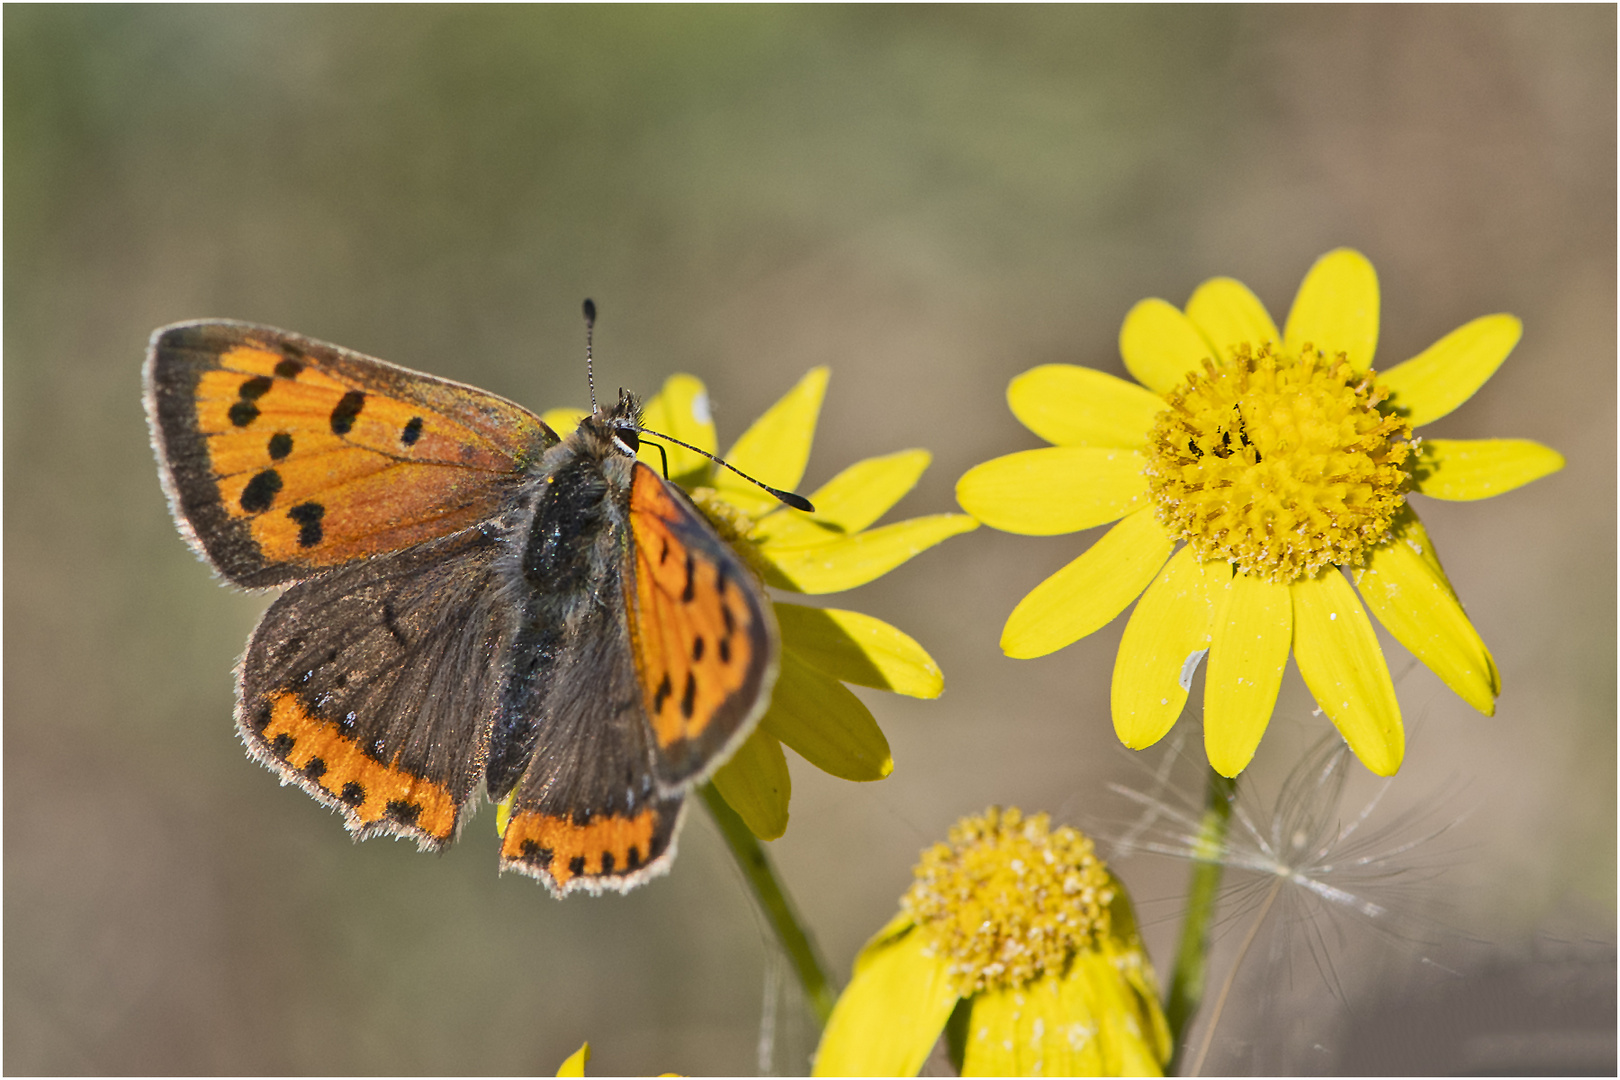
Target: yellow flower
(830, 550)
(1019, 945)
(1275, 459)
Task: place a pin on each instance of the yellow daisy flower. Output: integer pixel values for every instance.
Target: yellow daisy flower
(832, 549)
(1018, 944)
(1274, 459)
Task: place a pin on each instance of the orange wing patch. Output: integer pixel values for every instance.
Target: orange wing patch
(284, 456)
(692, 625)
(327, 473)
(318, 754)
(605, 846)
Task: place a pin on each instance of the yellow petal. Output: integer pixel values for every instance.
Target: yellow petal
(1460, 470)
(574, 1064)
(1056, 489)
(565, 419)
(756, 784)
(1251, 631)
(1447, 373)
(818, 717)
(847, 503)
(890, 1015)
(1160, 345)
(681, 411)
(1416, 605)
(872, 952)
(503, 813)
(1036, 1029)
(1086, 594)
(1336, 309)
(1076, 406)
(1229, 314)
(859, 649)
(776, 448)
(1338, 655)
(856, 560)
(1410, 531)
(1130, 958)
(1170, 625)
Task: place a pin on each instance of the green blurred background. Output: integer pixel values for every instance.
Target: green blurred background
(930, 201)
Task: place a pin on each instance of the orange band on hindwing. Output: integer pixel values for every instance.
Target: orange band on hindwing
(607, 845)
(316, 752)
(693, 628)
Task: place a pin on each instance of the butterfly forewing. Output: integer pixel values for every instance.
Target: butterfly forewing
(702, 633)
(284, 456)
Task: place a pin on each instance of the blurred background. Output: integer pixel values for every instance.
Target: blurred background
(930, 201)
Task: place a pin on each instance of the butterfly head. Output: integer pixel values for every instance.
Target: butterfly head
(623, 423)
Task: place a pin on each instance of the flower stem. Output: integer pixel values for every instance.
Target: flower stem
(774, 902)
(1187, 981)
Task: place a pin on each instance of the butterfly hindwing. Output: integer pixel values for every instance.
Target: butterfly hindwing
(283, 456)
(701, 631)
(372, 686)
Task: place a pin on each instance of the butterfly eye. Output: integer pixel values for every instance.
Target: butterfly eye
(627, 438)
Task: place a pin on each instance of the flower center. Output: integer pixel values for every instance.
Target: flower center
(735, 527)
(1278, 465)
(1007, 900)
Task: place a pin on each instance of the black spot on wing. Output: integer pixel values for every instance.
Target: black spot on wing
(403, 811)
(345, 412)
(281, 445)
(412, 432)
(261, 491)
(308, 516)
(540, 856)
(243, 413)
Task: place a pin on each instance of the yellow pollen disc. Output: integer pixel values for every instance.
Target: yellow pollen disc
(735, 527)
(1279, 465)
(731, 523)
(1008, 900)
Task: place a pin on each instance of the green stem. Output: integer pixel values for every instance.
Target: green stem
(774, 902)
(1187, 981)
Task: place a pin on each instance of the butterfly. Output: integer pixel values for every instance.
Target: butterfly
(471, 600)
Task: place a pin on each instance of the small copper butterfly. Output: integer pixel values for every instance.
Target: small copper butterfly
(471, 599)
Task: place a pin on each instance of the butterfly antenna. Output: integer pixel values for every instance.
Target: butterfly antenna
(590, 325)
(798, 502)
